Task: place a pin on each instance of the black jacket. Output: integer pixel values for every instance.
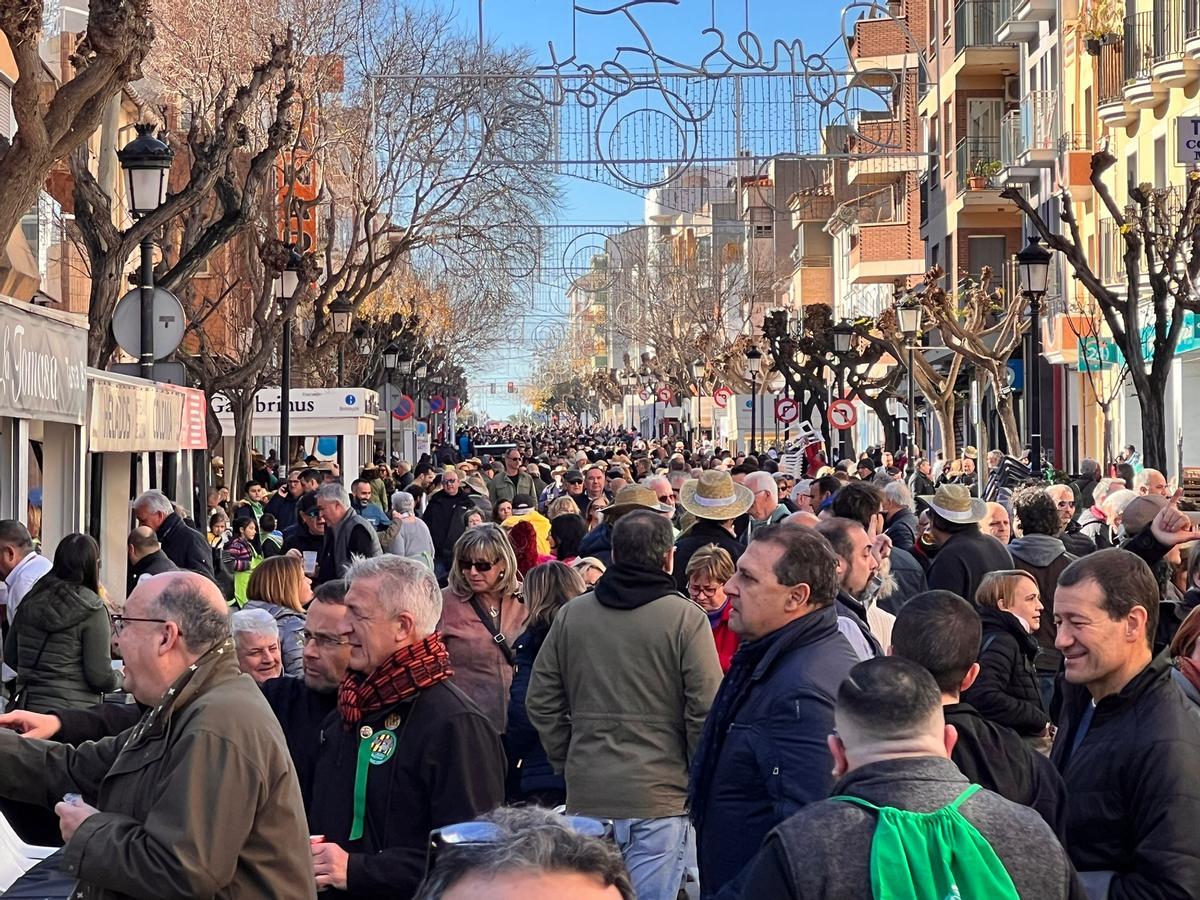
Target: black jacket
(1133, 785)
(701, 534)
(1076, 542)
(773, 758)
(185, 546)
(1006, 691)
(283, 508)
(300, 711)
(521, 742)
(902, 529)
(153, 564)
(996, 757)
(824, 851)
(920, 485)
(598, 543)
(447, 767)
(445, 521)
(962, 561)
(1085, 490)
(1095, 529)
(910, 580)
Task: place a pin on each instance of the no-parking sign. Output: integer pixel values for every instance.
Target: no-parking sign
(403, 410)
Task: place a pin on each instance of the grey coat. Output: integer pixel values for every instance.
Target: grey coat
(825, 849)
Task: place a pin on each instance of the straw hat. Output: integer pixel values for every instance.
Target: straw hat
(631, 497)
(954, 503)
(715, 495)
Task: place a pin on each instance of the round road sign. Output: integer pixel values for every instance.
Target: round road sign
(404, 408)
(437, 403)
(842, 415)
(664, 394)
(170, 322)
(721, 397)
(644, 394)
(786, 411)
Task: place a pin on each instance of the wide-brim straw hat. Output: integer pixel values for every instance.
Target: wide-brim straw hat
(715, 495)
(954, 503)
(631, 497)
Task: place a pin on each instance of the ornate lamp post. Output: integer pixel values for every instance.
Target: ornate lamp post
(1033, 266)
(391, 359)
(699, 370)
(843, 337)
(287, 283)
(908, 320)
(341, 314)
(753, 367)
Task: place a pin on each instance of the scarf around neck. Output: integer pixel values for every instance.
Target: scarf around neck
(400, 676)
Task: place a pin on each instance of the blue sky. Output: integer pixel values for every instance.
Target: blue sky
(675, 30)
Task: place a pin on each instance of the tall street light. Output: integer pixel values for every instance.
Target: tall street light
(753, 367)
(699, 370)
(908, 319)
(287, 283)
(1033, 267)
(391, 359)
(147, 162)
(647, 378)
(341, 314)
(843, 337)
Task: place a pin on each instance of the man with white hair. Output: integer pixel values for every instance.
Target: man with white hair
(766, 508)
(408, 751)
(1077, 543)
(256, 640)
(1085, 485)
(899, 515)
(184, 546)
(347, 534)
(1093, 522)
(1150, 481)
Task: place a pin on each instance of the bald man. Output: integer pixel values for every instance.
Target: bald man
(199, 798)
(146, 556)
(802, 519)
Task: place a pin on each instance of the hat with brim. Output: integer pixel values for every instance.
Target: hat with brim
(523, 505)
(954, 503)
(715, 495)
(631, 497)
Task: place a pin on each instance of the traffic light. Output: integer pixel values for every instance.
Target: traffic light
(512, 387)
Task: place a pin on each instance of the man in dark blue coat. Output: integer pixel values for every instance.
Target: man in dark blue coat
(763, 755)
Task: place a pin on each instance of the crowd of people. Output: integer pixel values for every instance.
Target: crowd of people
(543, 662)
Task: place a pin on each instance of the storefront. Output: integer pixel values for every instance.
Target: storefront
(320, 415)
(137, 431)
(43, 400)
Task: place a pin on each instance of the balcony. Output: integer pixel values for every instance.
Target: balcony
(882, 45)
(880, 149)
(1191, 29)
(974, 156)
(1111, 106)
(1029, 137)
(812, 281)
(1075, 152)
(1022, 22)
(978, 48)
(1171, 65)
(1141, 90)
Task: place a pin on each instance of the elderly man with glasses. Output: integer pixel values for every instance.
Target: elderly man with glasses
(1076, 542)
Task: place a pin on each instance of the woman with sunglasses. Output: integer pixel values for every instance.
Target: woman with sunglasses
(482, 614)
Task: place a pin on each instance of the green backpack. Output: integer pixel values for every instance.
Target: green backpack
(933, 856)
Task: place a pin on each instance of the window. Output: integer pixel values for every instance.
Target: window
(931, 147)
(762, 222)
(7, 127)
(1160, 161)
(985, 250)
(1088, 108)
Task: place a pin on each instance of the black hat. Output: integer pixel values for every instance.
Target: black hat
(572, 476)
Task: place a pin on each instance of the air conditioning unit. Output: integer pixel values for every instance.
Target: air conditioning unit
(1012, 89)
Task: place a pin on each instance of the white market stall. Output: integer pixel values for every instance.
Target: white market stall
(322, 414)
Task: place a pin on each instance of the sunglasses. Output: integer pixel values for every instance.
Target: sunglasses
(481, 566)
(474, 834)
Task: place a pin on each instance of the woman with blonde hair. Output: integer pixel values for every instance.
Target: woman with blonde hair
(278, 586)
(546, 589)
(562, 506)
(481, 614)
(1006, 690)
(707, 571)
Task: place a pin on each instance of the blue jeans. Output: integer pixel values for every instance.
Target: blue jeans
(654, 854)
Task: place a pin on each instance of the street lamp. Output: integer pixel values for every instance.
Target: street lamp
(843, 337)
(699, 370)
(391, 359)
(753, 367)
(341, 314)
(1033, 268)
(146, 162)
(287, 282)
(908, 319)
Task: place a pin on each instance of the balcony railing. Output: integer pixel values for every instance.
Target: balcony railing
(1191, 19)
(1139, 46)
(970, 152)
(1012, 144)
(977, 21)
(1169, 28)
(1111, 73)
(1112, 253)
(1039, 120)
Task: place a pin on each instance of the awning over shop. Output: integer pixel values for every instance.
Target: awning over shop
(42, 364)
(131, 415)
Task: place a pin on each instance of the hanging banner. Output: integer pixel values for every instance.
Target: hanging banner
(133, 418)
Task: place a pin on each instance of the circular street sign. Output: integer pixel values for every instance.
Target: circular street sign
(644, 394)
(664, 394)
(170, 322)
(842, 415)
(721, 397)
(404, 408)
(437, 403)
(786, 411)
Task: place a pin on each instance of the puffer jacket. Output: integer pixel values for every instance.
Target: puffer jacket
(1006, 691)
(75, 668)
(291, 640)
(1043, 557)
(522, 745)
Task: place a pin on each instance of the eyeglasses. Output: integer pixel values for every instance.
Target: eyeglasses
(322, 640)
(474, 834)
(1066, 504)
(515, 459)
(481, 566)
(666, 498)
(119, 622)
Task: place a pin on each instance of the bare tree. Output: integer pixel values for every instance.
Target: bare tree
(1104, 389)
(1159, 233)
(51, 123)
